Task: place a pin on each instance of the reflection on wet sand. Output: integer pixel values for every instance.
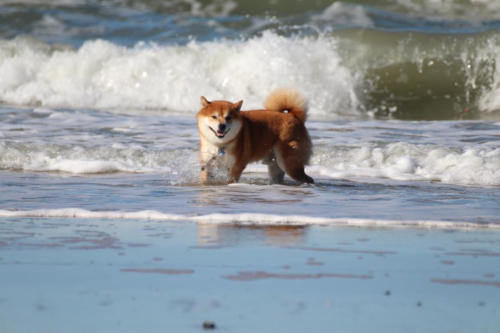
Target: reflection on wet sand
(222, 196)
(158, 271)
(213, 236)
(469, 282)
(250, 276)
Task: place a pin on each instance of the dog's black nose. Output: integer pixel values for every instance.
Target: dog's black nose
(222, 127)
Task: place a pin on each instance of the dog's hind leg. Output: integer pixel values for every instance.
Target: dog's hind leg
(289, 159)
(299, 175)
(276, 174)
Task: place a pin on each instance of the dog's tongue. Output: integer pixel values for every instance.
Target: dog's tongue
(219, 133)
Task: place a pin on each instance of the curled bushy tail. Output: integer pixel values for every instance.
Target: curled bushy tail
(286, 99)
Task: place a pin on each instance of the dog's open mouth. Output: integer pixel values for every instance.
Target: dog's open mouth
(219, 134)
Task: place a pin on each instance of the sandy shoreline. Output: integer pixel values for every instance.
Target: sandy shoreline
(105, 275)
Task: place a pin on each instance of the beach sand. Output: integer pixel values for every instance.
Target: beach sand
(114, 275)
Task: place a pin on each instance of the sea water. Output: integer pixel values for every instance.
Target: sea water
(98, 104)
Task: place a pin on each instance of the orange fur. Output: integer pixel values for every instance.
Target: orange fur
(285, 99)
(230, 138)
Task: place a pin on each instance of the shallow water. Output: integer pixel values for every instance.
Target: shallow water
(385, 170)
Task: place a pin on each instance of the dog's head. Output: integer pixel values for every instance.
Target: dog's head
(219, 121)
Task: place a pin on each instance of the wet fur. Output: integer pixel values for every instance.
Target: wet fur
(276, 135)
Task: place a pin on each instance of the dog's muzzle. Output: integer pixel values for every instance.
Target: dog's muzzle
(221, 130)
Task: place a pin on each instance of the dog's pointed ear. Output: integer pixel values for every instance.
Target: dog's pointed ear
(237, 106)
(204, 102)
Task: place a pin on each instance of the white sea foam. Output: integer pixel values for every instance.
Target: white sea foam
(344, 14)
(91, 160)
(490, 98)
(404, 161)
(472, 10)
(398, 161)
(243, 219)
(101, 74)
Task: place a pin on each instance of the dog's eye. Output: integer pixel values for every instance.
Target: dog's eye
(215, 117)
(228, 118)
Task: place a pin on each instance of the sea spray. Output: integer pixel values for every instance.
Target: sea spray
(101, 74)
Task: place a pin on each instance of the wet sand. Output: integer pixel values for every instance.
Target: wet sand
(98, 275)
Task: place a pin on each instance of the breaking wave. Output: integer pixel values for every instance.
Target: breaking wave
(101, 74)
(404, 161)
(354, 74)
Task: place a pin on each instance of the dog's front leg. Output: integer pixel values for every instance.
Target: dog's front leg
(204, 174)
(236, 171)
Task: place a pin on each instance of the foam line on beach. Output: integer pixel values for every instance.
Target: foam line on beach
(246, 219)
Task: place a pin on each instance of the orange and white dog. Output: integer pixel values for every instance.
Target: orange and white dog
(230, 138)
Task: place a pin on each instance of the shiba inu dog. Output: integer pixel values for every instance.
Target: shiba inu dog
(231, 138)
